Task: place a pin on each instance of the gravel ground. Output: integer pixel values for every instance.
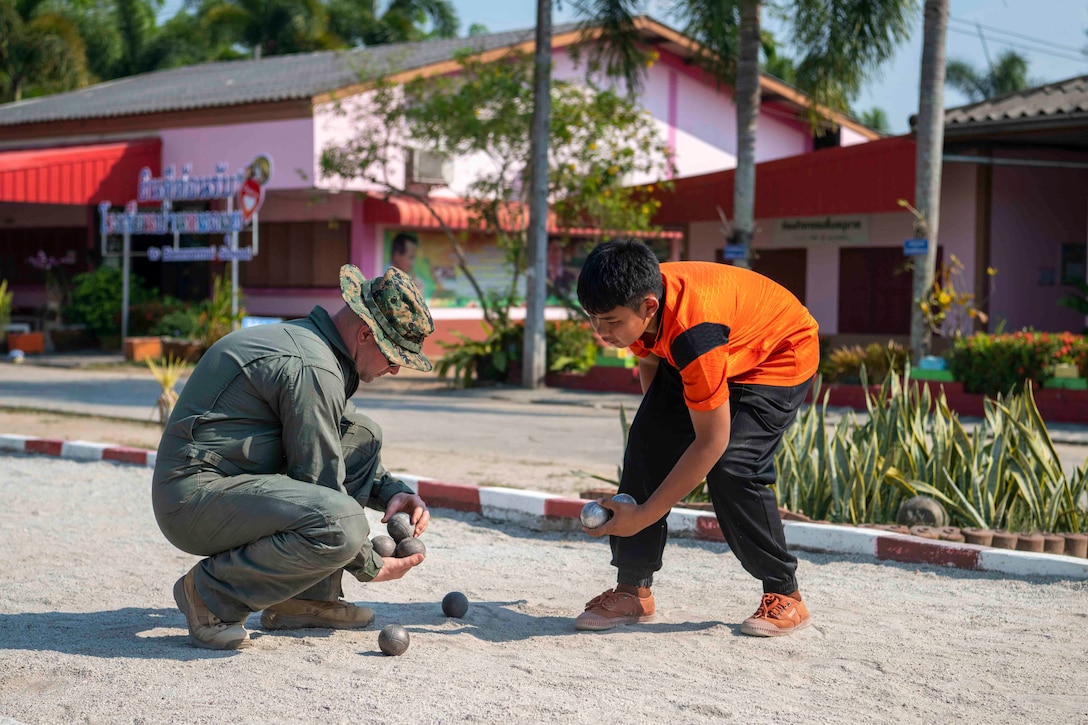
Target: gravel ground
(89, 632)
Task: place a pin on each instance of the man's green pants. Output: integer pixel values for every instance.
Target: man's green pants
(268, 538)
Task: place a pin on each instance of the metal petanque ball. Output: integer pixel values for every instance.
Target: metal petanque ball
(383, 545)
(594, 515)
(400, 527)
(455, 604)
(409, 546)
(393, 640)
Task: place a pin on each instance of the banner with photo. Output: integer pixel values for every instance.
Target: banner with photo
(429, 258)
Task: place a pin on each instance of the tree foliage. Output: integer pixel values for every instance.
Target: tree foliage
(41, 49)
(1008, 75)
(839, 44)
(599, 141)
(877, 119)
(48, 46)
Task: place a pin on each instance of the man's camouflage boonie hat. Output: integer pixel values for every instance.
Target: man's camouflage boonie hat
(394, 309)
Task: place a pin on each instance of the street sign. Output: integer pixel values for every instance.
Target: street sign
(915, 247)
(733, 252)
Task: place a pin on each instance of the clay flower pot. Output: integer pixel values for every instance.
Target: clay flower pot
(1005, 540)
(1053, 544)
(925, 532)
(952, 533)
(1030, 542)
(981, 537)
(1076, 545)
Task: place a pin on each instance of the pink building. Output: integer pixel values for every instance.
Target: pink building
(63, 155)
(1014, 197)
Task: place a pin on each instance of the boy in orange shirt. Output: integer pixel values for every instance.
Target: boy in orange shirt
(726, 357)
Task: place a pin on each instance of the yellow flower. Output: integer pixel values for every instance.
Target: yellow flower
(991, 271)
(608, 192)
(925, 307)
(972, 313)
(645, 209)
(944, 299)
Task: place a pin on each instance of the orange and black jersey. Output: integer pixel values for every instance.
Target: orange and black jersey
(720, 323)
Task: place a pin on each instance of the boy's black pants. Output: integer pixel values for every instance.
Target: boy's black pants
(738, 483)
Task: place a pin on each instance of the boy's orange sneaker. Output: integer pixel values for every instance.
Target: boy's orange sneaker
(777, 615)
(613, 608)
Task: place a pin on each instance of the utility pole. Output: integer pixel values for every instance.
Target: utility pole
(535, 350)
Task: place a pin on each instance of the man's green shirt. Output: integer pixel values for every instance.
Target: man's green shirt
(270, 400)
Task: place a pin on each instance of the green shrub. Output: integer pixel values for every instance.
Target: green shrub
(5, 305)
(843, 365)
(182, 323)
(569, 344)
(96, 300)
(1003, 474)
(214, 316)
(995, 364)
(145, 318)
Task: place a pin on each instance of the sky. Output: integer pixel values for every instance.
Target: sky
(1053, 33)
(1049, 33)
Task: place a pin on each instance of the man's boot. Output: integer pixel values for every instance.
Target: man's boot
(304, 613)
(206, 630)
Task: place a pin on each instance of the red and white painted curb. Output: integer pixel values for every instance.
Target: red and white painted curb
(545, 511)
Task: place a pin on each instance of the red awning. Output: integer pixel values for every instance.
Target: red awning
(867, 178)
(404, 211)
(77, 174)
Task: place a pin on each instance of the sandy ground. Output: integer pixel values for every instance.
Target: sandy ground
(89, 632)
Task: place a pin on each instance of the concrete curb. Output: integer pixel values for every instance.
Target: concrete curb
(552, 512)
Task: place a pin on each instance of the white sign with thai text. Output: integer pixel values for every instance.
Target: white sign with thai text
(821, 230)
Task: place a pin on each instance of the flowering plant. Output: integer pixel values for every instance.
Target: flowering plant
(56, 282)
(949, 310)
(44, 262)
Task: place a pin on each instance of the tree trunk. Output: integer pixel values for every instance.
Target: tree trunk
(534, 363)
(929, 136)
(747, 99)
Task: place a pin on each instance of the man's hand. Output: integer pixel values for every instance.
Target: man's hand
(396, 568)
(414, 506)
(627, 519)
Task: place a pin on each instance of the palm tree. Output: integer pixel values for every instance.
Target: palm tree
(271, 27)
(1008, 75)
(840, 43)
(41, 50)
(876, 118)
(929, 137)
(359, 22)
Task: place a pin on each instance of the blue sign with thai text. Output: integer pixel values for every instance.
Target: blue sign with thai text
(915, 247)
(734, 252)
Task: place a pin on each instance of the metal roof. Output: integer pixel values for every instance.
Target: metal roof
(1048, 103)
(231, 83)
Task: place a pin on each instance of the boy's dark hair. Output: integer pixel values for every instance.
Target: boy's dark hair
(400, 242)
(618, 273)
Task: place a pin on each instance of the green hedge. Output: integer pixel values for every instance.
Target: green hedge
(995, 364)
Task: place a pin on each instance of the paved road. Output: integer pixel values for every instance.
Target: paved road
(576, 428)
(571, 427)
